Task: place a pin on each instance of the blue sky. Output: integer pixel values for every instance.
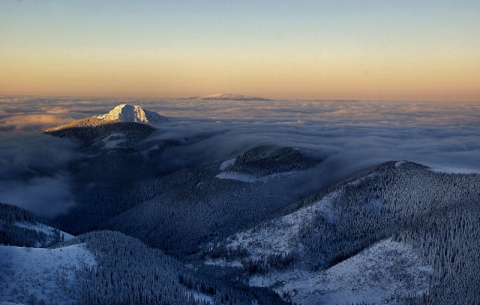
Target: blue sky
(286, 44)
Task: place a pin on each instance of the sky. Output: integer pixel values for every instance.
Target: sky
(371, 50)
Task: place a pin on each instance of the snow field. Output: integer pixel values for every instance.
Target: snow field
(379, 275)
(42, 274)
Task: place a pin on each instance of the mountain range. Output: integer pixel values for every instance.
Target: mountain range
(146, 228)
(228, 97)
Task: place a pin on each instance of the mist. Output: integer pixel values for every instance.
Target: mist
(354, 146)
(34, 172)
(348, 135)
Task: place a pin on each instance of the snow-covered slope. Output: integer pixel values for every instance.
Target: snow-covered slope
(120, 114)
(252, 178)
(280, 236)
(387, 235)
(19, 227)
(36, 274)
(124, 126)
(132, 113)
(53, 235)
(113, 140)
(381, 274)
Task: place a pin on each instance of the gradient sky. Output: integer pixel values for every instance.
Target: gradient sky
(382, 49)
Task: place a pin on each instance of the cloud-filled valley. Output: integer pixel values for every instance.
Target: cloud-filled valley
(34, 172)
(239, 153)
(350, 135)
(268, 201)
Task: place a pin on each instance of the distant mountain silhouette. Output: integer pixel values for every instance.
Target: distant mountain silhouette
(228, 97)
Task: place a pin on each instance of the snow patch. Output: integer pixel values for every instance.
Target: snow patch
(197, 296)
(221, 262)
(113, 140)
(41, 274)
(228, 163)
(252, 178)
(399, 163)
(357, 182)
(380, 274)
(39, 227)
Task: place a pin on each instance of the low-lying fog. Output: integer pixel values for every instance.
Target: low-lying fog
(352, 135)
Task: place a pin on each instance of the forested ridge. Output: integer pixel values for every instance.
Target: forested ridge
(18, 228)
(435, 214)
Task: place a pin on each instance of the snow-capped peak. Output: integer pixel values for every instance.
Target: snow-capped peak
(131, 113)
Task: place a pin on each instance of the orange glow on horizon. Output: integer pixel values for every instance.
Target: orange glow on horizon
(148, 74)
(387, 50)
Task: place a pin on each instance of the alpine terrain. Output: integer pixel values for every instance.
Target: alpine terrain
(156, 222)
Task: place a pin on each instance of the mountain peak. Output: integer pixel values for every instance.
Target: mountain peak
(230, 97)
(131, 113)
(123, 113)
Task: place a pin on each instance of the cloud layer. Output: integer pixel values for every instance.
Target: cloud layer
(33, 172)
(352, 135)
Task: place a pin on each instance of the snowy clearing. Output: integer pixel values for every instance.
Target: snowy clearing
(225, 164)
(221, 262)
(197, 296)
(39, 227)
(41, 274)
(359, 181)
(380, 274)
(252, 178)
(113, 140)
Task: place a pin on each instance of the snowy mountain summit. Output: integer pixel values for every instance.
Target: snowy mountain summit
(132, 113)
(122, 122)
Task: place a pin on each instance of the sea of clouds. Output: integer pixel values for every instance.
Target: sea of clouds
(350, 135)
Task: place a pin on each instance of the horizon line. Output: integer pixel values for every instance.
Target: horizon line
(268, 98)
